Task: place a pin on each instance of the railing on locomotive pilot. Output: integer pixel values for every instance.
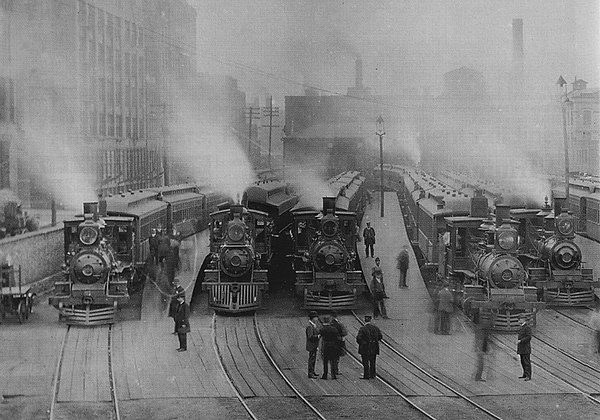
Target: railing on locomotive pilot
(322, 290)
(235, 296)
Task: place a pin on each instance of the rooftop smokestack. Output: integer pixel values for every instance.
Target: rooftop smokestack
(359, 73)
(517, 25)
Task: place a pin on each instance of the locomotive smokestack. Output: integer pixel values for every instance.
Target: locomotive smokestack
(359, 73)
(559, 205)
(102, 206)
(90, 210)
(328, 205)
(502, 214)
(479, 205)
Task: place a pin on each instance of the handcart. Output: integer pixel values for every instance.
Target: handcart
(15, 298)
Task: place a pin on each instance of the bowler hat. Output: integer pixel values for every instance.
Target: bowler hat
(367, 318)
(312, 314)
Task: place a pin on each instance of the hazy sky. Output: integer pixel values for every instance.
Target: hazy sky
(276, 45)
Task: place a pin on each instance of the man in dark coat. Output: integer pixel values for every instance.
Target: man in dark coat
(445, 308)
(369, 238)
(177, 290)
(524, 349)
(368, 338)
(403, 266)
(182, 321)
(482, 347)
(342, 333)
(312, 342)
(331, 347)
(378, 291)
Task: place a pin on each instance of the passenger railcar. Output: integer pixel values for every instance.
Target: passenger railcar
(247, 241)
(584, 202)
(328, 273)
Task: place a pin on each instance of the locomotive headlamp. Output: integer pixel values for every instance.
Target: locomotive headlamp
(236, 232)
(88, 235)
(565, 227)
(87, 270)
(507, 240)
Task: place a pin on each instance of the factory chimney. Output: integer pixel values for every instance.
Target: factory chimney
(517, 25)
(359, 74)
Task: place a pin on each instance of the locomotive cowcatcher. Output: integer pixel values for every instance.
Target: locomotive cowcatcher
(95, 280)
(328, 273)
(236, 276)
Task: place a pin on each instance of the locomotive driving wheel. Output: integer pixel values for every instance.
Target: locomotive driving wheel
(22, 311)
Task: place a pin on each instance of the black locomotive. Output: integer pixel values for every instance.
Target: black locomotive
(328, 273)
(95, 281)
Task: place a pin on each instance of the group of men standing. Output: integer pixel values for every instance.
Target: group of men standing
(331, 334)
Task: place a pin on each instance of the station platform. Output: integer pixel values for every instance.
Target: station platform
(147, 365)
(412, 319)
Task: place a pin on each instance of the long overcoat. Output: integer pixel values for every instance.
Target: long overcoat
(368, 338)
(524, 344)
(312, 337)
(182, 318)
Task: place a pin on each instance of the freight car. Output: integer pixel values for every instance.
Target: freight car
(247, 242)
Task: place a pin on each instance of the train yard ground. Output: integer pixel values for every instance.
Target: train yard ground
(237, 365)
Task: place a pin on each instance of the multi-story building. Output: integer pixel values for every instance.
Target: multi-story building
(583, 118)
(91, 84)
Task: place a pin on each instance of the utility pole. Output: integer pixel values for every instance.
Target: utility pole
(270, 112)
(252, 114)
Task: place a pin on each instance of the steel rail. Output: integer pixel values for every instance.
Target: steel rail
(287, 381)
(56, 380)
(224, 369)
(433, 377)
(111, 376)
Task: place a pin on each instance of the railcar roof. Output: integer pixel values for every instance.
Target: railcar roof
(272, 194)
(176, 198)
(137, 204)
(175, 189)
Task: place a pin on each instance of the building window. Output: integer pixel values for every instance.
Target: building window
(102, 124)
(119, 124)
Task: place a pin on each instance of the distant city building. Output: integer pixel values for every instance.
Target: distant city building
(583, 119)
(94, 78)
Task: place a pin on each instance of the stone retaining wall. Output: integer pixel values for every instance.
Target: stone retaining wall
(39, 253)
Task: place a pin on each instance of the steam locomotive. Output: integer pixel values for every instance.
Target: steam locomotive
(552, 259)
(95, 281)
(246, 241)
(488, 270)
(125, 222)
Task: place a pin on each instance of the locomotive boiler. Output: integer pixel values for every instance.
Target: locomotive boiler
(95, 281)
(328, 275)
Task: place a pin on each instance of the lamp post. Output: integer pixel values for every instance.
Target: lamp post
(565, 105)
(380, 132)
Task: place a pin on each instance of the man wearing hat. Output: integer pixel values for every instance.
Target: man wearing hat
(368, 338)
(378, 291)
(182, 321)
(524, 349)
(177, 290)
(312, 342)
(369, 238)
(331, 347)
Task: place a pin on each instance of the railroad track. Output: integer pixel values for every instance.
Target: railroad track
(477, 410)
(241, 380)
(580, 375)
(112, 387)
